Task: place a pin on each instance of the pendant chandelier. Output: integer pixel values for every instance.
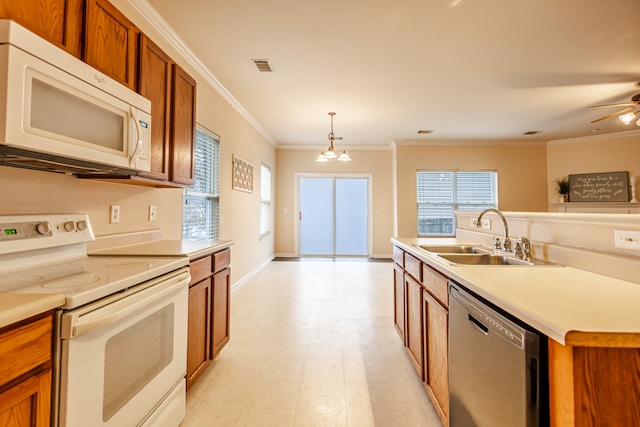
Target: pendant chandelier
(330, 154)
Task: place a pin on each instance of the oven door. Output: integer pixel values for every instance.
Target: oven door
(123, 356)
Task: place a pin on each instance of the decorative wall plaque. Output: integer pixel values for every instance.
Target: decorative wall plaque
(242, 175)
(599, 187)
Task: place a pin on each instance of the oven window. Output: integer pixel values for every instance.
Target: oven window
(135, 356)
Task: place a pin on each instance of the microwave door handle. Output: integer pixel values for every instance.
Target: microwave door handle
(138, 141)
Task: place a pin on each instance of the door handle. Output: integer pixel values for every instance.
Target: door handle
(482, 328)
(76, 325)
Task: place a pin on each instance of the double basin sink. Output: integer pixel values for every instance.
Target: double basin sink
(476, 255)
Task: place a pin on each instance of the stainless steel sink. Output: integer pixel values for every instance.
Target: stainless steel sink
(454, 249)
(489, 259)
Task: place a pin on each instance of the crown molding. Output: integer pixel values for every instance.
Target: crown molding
(157, 22)
(599, 137)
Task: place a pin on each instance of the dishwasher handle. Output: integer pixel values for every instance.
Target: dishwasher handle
(478, 324)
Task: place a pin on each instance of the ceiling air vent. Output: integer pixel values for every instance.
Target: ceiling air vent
(425, 131)
(263, 65)
(532, 132)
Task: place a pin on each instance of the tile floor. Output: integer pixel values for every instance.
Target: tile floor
(312, 344)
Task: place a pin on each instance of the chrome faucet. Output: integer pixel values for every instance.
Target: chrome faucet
(506, 245)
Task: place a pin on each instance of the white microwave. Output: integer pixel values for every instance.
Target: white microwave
(59, 114)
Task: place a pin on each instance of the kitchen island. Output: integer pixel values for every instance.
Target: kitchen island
(591, 320)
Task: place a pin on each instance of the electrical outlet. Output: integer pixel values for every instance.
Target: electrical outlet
(486, 224)
(473, 222)
(152, 213)
(627, 239)
(114, 214)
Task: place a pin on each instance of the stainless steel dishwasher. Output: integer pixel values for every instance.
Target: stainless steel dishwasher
(497, 366)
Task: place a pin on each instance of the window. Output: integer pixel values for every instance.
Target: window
(440, 193)
(200, 210)
(265, 199)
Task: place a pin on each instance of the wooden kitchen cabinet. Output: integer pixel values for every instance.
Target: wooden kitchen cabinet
(421, 307)
(209, 311)
(594, 386)
(399, 301)
(220, 317)
(57, 21)
(25, 372)
(220, 323)
(110, 42)
(198, 341)
(172, 93)
(435, 308)
(154, 79)
(414, 326)
(183, 127)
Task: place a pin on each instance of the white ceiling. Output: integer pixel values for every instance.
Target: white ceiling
(466, 69)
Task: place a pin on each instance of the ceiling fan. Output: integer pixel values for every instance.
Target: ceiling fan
(627, 111)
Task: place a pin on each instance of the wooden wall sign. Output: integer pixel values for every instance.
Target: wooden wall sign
(599, 187)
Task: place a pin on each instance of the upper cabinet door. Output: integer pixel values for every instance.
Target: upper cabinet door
(58, 21)
(110, 42)
(154, 83)
(184, 127)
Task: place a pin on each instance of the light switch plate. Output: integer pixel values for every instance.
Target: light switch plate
(152, 213)
(114, 214)
(627, 239)
(486, 224)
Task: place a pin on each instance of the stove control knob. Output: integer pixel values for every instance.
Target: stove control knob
(43, 228)
(81, 225)
(69, 226)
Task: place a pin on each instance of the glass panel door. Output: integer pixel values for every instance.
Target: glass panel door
(316, 216)
(334, 216)
(352, 225)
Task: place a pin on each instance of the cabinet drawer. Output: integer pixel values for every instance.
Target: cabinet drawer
(200, 269)
(436, 283)
(221, 260)
(398, 256)
(413, 266)
(24, 348)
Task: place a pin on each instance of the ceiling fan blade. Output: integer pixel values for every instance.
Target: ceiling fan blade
(623, 104)
(608, 116)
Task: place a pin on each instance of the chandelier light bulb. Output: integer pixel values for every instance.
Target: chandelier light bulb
(344, 157)
(321, 158)
(627, 118)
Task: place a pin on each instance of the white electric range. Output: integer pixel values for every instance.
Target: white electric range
(120, 338)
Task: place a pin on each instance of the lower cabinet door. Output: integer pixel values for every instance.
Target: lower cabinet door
(198, 341)
(398, 301)
(27, 403)
(436, 354)
(220, 317)
(414, 323)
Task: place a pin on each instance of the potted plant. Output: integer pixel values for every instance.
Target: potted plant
(562, 187)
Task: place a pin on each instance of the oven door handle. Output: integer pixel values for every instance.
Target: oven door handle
(84, 323)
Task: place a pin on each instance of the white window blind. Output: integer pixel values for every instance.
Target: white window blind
(440, 193)
(200, 211)
(265, 199)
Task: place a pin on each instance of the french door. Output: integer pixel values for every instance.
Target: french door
(333, 215)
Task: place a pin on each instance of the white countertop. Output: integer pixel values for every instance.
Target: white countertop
(569, 305)
(17, 307)
(190, 248)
